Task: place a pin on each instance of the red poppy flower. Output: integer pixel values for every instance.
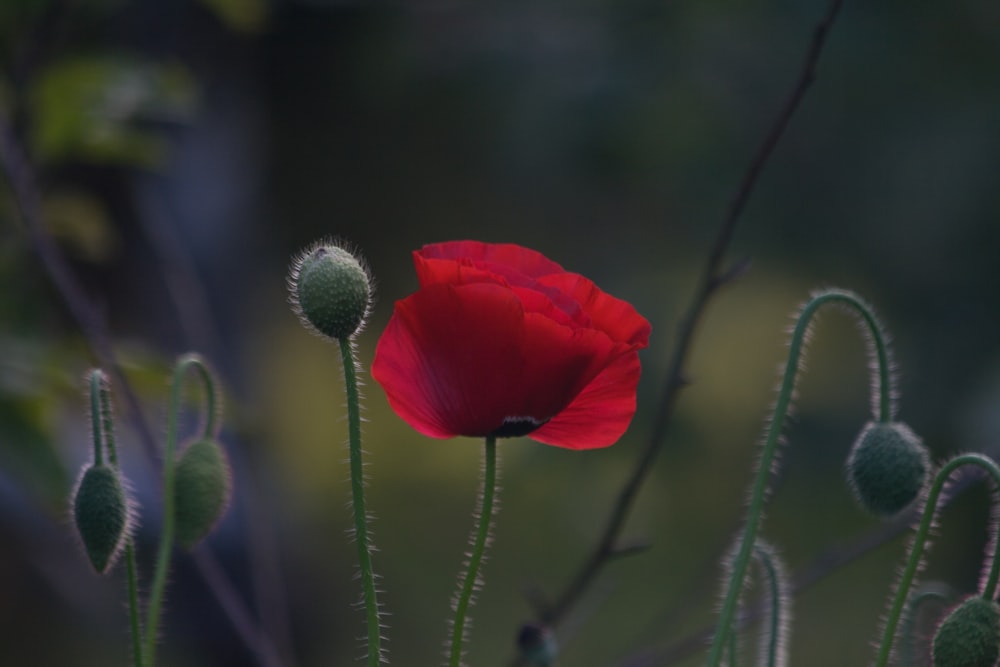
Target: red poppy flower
(499, 340)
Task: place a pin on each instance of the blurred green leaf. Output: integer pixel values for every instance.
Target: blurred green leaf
(26, 449)
(80, 222)
(107, 109)
(240, 15)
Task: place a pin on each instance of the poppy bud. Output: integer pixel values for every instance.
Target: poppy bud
(330, 290)
(887, 468)
(969, 636)
(202, 489)
(102, 515)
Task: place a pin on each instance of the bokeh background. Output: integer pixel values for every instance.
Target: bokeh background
(188, 149)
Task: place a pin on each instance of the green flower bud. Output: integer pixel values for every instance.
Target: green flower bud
(202, 490)
(331, 291)
(969, 636)
(102, 515)
(887, 468)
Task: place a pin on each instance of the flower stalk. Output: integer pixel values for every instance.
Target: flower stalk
(929, 513)
(102, 421)
(882, 406)
(361, 533)
(189, 362)
(471, 580)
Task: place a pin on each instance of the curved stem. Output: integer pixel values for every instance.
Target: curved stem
(358, 502)
(910, 640)
(920, 540)
(758, 493)
(774, 574)
(481, 538)
(186, 362)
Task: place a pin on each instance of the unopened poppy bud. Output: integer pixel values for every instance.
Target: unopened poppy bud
(537, 645)
(202, 489)
(887, 468)
(969, 636)
(331, 291)
(101, 514)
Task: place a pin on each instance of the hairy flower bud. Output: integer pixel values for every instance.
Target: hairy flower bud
(101, 514)
(969, 636)
(887, 468)
(203, 488)
(330, 291)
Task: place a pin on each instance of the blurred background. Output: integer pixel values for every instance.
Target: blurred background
(187, 150)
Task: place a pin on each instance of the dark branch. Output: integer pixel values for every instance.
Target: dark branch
(713, 278)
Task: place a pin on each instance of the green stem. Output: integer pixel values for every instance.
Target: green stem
(481, 537)
(910, 639)
(97, 425)
(358, 502)
(135, 626)
(758, 491)
(186, 362)
(774, 574)
(920, 540)
(104, 432)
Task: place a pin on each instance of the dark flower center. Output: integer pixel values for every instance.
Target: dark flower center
(515, 427)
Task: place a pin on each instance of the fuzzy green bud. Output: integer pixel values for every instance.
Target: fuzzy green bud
(331, 291)
(102, 515)
(969, 636)
(887, 468)
(202, 490)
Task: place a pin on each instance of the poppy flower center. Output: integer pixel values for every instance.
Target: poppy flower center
(515, 427)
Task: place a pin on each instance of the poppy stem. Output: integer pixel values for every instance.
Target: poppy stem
(927, 521)
(883, 394)
(361, 535)
(209, 426)
(104, 438)
(480, 538)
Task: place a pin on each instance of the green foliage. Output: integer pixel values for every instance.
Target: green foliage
(103, 109)
(26, 448)
(240, 15)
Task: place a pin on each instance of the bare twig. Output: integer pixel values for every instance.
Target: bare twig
(713, 278)
(27, 197)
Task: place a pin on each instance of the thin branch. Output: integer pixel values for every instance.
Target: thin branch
(713, 278)
(27, 197)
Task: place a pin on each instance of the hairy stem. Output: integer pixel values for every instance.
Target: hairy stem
(361, 535)
(480, 540)
(920, 541)
(104, 438)
(192, 362)
(774, 646)
(758, 491)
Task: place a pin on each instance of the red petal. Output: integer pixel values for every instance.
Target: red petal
(545, 299)
(460, 360)
(500, 258)
(615, 317)
(600, 414)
